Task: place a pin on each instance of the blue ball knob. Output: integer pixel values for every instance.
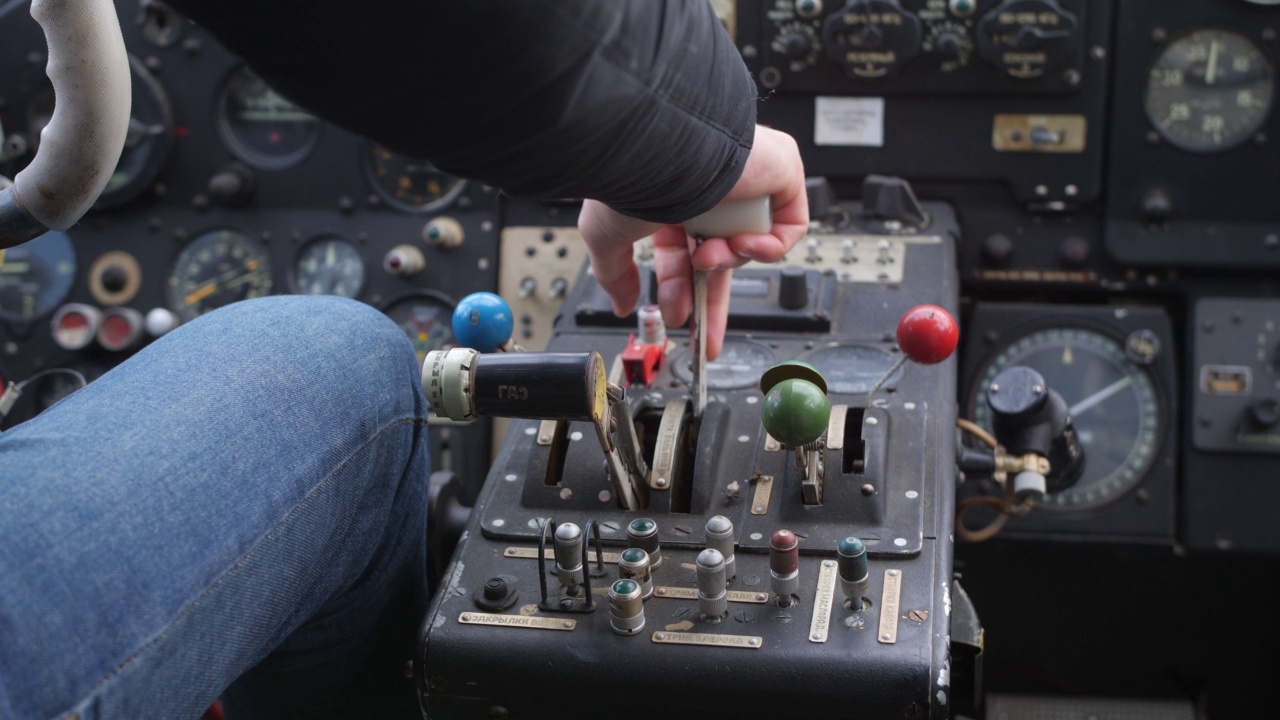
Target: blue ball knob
(483, 322)
(795, 412)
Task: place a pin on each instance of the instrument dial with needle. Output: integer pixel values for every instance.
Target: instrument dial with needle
(329, 265)
(426, 317)
(1209, 90)
(218, 268)
(1112, 401)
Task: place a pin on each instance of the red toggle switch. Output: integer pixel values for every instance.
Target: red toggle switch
(641, 362)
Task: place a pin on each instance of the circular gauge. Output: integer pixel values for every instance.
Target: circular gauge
(115, 278)
(329, 265)
(36, 277)
(851, 369)
(262, 128)
(426, 318)
(218, 268)
(409, 183)
(1112, 402)
(739, 366)
(1209, 90)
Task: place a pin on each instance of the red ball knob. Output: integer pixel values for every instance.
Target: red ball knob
(928, 334)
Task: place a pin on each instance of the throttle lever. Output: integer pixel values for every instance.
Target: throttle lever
(463, 384)
(727, 219)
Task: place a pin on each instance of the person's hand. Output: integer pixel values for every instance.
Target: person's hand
(773, 168)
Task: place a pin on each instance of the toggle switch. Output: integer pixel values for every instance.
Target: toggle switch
(713, 599)
(784, 566)
(633, 564)
(626, 607)
(720, 538)
(568, 554)
(855, 579)
(643, 533)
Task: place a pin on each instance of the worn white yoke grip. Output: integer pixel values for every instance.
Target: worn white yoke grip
(81, 145)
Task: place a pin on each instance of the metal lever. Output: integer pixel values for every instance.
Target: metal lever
(725, 220)
(463, 384)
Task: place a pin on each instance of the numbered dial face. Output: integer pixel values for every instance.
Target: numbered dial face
(1112, 403)
(218, 268)
(261, 127)
(427, 320)
(329, 266)
(36, 277)
(408, 183)
(871, 38)
(739, 366)
(852, 369)
(1209, 90)
(1027, 38)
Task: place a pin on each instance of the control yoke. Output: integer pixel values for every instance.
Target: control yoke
(81, 145)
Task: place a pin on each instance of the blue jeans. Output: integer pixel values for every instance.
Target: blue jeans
(245, 498)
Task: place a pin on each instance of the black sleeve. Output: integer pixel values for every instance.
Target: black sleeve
(642, 104)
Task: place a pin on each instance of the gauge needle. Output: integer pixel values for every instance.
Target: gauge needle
(241, 280)
(1099, 396)
(202, 292)
(1212, 71)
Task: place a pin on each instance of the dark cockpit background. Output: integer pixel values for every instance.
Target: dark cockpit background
(1114, 167)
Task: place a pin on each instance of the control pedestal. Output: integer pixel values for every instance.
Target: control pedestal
(728, 585)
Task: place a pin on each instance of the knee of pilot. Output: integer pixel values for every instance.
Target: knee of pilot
(342, 343)
(361, 339)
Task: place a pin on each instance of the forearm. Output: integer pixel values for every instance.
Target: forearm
(643, 104)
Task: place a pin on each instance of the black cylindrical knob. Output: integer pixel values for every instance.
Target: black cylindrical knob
(226, 185)
(495, 589)
(114, 279)
(1074, 251)
(232, 185)
(997, 249)
(793, 288)
(1156, 206)
(796, 45)
(948, 45)
(543, 386)
(1265, 412)
(1017, 393)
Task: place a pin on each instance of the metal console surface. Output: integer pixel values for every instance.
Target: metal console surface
(889, 481)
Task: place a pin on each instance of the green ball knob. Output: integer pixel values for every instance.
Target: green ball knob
(795, 412)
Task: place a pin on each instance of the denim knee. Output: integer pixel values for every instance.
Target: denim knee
(351, 353)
